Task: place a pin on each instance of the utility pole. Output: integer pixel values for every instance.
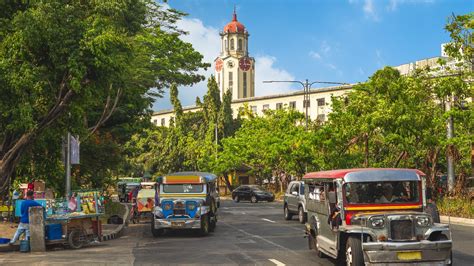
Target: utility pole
(306, 89)
(450, 135)
(68, 166)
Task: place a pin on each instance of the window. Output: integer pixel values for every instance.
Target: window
(254, 109)
(306, 103)
(265, 107)
(245, 85)
(155, 121)
(321, 118)
(295, 188)
(162, 121)
(239, 45)
(232, 44)
(279, 106)
(231, 82)
(182, 188)
(226, 44)
(316, 192)
(292, 105)
(321, 102)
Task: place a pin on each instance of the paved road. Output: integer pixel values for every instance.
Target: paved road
(246, 234)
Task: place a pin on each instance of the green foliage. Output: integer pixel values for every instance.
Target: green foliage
(458, 207)
(80, 66)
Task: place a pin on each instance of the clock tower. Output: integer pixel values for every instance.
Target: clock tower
(235, 69)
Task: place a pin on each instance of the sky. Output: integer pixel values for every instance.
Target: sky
(319, 40)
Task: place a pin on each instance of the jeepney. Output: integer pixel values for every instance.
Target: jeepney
(186, 200)
(374, 216)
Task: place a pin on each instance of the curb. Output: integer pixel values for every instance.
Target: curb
(118, 231)
(457, 220)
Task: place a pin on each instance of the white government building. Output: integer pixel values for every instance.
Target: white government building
(235, 70)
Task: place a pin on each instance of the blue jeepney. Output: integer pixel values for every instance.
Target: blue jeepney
(186, 200)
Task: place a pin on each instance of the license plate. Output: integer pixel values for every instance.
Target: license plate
(177, 224)
(413, 255)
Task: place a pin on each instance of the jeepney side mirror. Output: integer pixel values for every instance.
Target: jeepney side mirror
(332, 197)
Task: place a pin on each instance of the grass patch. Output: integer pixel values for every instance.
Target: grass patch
(112, 208)
(457, 207)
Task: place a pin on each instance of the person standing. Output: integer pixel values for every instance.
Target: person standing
(24, 226)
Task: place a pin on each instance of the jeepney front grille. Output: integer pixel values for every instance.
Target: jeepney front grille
(179, 208)
(401, 229)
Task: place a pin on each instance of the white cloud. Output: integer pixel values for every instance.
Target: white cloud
(314, 55)
(379, 58)
(207, 41)
(369, 10)
(393, 4)
(265, 70)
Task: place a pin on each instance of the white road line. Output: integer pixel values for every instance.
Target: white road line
(261, 238)
(279, 263)
(268, 220)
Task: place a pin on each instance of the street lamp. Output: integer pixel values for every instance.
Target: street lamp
(306, 87)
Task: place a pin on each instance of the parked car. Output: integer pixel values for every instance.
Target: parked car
(253, 193)
(374, 216)
(294, 201)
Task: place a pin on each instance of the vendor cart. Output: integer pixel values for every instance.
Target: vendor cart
(75, 222)
(75, 230)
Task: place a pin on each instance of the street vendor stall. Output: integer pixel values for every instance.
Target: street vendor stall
(75, 222)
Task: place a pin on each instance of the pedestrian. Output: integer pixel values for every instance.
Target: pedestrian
(24, 226)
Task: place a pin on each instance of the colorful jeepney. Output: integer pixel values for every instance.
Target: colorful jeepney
(186, 200)
(374, 216)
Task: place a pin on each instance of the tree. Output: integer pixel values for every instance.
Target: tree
(70, 67)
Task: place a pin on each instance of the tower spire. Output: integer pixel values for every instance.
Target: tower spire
(234, 16)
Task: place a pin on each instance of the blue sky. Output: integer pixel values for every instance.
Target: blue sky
(342, 41)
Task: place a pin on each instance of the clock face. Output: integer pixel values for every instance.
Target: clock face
(230, 64)
(245, 63)
(219, 64)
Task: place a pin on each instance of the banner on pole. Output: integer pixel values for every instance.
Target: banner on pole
(75, 150)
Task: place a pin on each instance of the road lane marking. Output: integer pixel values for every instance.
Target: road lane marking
(261, 238)
(277, 262)
(268, 220)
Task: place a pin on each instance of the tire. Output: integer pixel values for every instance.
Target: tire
(204, 230)
(253, 199)
(287, 213)
(236, 198)
(354, 255)
(301, 215)
(212, 225)
(432, 209)
(74, 239)
(444, 237)
(156, 232)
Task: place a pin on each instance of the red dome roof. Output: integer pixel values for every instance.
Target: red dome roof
(234, 26)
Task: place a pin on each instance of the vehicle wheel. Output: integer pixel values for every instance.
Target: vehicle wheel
(74, 239)
(156, 232)
(432, 209)
(253, 199)
(204, 225)
(236, 198)
(271, 200)
(354, 255)
(212, 225)
(287, 213)
(301, 215)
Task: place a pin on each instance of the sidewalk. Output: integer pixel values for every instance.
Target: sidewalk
(457, 220)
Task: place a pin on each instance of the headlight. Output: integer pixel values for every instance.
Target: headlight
(423, 221)
(167, 206)
(158, 212)
(377, 222)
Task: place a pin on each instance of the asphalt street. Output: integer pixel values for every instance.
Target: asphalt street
(246, 233)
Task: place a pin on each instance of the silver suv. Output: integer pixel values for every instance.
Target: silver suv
(294, 202)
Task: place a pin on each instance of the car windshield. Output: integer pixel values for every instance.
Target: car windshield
(183, 188)
(382, 192)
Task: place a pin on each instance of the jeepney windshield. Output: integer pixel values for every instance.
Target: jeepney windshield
(183, 188)
(382, 192)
